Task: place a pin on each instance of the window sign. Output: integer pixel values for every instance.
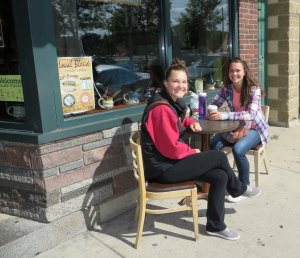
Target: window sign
(11, 88)
(76, 84)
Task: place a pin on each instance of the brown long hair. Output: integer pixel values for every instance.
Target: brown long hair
(248, 81)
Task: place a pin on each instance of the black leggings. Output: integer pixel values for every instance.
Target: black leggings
(211, 167)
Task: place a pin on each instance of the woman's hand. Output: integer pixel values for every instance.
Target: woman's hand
(214, 116)
(197, 150)
(196, 127)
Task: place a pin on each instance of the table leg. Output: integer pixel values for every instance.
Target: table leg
(205, 142)
(205, 146)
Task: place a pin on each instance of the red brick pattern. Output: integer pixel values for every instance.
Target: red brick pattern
(248, 33)
(54, 159)
(105, 152)
(17, 156)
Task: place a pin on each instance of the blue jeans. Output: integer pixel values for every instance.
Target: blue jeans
(239, 150)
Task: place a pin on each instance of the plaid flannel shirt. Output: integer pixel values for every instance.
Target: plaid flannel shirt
(253, 111)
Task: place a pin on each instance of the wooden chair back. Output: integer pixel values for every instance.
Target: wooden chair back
(266, 109)
(138, 166)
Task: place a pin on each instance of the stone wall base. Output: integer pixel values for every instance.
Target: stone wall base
(47, 182)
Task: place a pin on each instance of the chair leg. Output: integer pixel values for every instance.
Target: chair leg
(137, 210)
(265, 159)
(195, 213)
(136, 216)
(256, 167)
(142, 211)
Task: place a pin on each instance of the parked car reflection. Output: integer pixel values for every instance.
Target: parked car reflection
(102, 60)
(202, 68)
(112, 80)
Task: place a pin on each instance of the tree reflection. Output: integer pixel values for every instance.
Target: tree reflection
(200, 18)
(105, 28)
(66, 28)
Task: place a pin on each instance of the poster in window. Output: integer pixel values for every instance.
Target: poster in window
(11, 88)
(76, 84)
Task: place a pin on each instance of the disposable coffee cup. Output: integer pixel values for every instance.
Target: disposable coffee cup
(212, 108)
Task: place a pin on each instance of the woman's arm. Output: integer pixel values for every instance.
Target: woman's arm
(162, 127)
(249, 114)
(220, 98)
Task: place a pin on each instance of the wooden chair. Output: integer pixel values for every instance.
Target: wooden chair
(155, 191)
(259, 152)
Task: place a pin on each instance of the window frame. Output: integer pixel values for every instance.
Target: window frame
(42, 99)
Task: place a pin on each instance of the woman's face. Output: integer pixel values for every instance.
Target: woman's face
(177, 84)
(236, 74)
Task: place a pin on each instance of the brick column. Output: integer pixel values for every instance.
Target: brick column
(283, 61)
(248, 36)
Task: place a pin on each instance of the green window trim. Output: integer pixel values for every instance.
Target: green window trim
(77, 127)
(38, 66)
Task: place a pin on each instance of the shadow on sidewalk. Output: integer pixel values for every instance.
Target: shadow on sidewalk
(114, 154)
(124, 227)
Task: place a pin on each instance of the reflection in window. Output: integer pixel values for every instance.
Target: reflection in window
(122, 40)
(200, 35)
(11, 91)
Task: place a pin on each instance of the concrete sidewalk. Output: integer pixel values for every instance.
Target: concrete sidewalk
(268, 225)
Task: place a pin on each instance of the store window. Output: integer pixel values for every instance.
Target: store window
(122, 40)
(201, 36)
(11, 91)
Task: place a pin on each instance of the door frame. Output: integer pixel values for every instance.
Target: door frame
(262, 47)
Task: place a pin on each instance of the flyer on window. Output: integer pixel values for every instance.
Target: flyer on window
(76, 84)
(11, 88)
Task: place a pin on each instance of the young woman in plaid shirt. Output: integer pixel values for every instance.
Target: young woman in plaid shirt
(243, 97)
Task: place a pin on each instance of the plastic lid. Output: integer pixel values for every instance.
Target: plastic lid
(212, 107)
(203, 94)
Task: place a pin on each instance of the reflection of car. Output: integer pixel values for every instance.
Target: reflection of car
(102, 60)
(202, 68)
(119, 80)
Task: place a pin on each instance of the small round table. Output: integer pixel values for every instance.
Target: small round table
(210, 127)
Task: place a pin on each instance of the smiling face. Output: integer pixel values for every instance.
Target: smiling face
(236, 74)
(177, 84)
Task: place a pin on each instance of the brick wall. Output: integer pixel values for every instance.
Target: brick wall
(248, 35)
(283, 61)
(47, 182)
